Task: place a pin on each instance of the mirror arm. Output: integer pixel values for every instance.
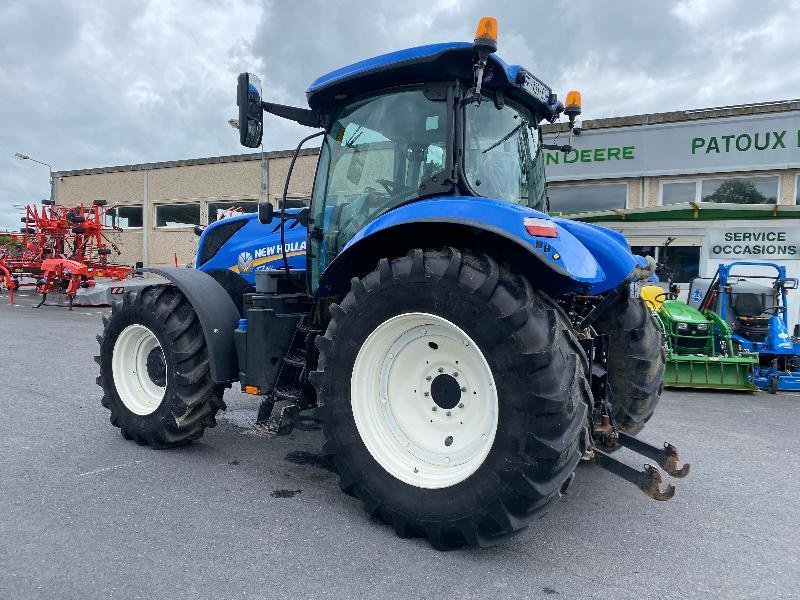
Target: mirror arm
(304, 116)
(566, 148)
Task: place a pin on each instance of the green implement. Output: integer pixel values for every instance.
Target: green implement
(700, 353)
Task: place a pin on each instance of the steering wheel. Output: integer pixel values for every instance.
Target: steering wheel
(665, 296)
(371, 197)
(394, 188)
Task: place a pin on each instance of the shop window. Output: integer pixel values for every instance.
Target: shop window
(219, 210)
(797, 189)
(126, 217)
(678, 191)
(682, 261)
(741, 190)
(177, 215)
(587, 197)
(757, 189)
(297, 202)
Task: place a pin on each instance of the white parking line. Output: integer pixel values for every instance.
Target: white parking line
(111, 468)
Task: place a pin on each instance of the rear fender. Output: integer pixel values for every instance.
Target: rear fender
(217, 314)
(490, 226)
(609, 248)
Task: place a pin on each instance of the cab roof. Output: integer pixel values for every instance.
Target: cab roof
(425, 64)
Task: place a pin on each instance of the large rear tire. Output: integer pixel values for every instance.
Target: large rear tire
(454, 397)
(636, 359)
(154, 369)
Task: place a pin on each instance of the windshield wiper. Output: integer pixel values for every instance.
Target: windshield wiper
(506, 137)
(354, 138)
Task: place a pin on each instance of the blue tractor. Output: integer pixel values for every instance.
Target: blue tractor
(462, 350)
(758, 315)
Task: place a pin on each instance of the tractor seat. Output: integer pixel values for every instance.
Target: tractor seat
(751, 321)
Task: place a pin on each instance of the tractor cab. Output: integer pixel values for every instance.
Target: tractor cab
(449, 119)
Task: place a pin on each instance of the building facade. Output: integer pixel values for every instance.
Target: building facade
(159, 204)
(692, 188)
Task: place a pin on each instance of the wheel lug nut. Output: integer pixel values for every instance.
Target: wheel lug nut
(428, 378)
(460, 405)
(426, 394)
(448, 413)
(463, 389)
(433, 408)
(455, 373)
(440, 369)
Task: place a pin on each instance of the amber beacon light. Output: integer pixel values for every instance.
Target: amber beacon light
(486, 34)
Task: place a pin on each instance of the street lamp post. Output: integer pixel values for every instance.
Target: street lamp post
(20, 156)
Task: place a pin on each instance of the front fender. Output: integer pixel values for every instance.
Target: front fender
(564, 254)
(217, 314)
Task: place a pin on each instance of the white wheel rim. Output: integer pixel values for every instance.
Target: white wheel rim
(137, 390)
(402, 395)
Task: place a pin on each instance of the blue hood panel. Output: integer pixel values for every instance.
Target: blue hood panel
(256, 247)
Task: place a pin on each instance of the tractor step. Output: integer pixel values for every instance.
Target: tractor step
(296, 359)
(290, 394)
(281, 423)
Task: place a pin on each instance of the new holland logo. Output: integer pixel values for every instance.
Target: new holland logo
(245, 262)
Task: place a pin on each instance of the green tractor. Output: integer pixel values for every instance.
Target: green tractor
(700, 353)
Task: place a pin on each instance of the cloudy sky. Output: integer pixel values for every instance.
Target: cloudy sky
(86, 84)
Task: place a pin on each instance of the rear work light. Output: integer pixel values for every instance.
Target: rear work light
(540, 227)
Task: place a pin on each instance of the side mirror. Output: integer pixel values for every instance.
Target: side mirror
(265, 212)
(251, 115)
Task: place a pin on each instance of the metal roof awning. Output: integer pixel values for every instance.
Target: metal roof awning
(692, 211)
(662, 240)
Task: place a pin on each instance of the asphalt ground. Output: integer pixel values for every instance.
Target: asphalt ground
(85, 514)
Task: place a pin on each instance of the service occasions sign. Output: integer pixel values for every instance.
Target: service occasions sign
(767, 243)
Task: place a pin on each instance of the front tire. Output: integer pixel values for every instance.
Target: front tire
(154, 369)
(455, 396)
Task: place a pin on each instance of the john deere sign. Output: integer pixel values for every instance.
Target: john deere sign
(778, 243)
(751, 143)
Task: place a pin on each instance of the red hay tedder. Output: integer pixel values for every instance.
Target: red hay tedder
(63, 249)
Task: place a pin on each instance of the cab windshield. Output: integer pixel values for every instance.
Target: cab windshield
(379, 152)
(502, 156)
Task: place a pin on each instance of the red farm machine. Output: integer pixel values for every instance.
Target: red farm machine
(61, 249)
